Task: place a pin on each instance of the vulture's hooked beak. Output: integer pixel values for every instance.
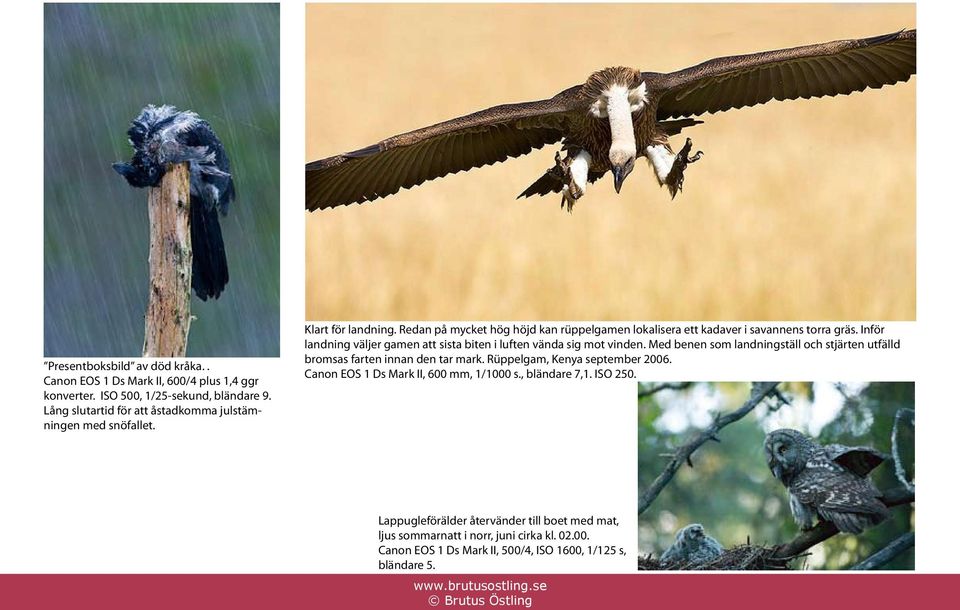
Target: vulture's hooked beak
(618, 177)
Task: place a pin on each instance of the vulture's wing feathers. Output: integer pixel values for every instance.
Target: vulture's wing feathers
(552, 182)
(830, 68)
(409, 159)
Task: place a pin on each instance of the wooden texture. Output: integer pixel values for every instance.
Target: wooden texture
(167, 322)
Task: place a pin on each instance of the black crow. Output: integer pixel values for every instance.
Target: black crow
(163, 135)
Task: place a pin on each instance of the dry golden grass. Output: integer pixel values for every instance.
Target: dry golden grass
(799, 210)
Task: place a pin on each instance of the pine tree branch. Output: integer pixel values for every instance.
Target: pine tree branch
(683, 454)
(644, 393)
(902, 414)
(887, 553)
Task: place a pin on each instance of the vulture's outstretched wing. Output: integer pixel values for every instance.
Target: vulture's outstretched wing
(403, 161)
(817, 70)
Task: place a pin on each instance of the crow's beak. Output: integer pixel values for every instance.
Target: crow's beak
(618, 177)
(122, 168)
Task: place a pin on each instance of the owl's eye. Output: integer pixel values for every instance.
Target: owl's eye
(782, 449)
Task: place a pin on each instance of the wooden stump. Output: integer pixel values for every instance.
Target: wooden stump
(167, 320)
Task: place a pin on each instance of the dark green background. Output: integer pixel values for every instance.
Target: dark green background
(731, 491)
(102, 64)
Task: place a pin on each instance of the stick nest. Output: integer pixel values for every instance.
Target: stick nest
(743, 557)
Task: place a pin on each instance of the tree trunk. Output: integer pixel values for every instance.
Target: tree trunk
(171, 261)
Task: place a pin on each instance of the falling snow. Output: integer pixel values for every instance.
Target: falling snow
(102, 64)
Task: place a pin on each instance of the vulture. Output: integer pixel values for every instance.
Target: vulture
(605, 124)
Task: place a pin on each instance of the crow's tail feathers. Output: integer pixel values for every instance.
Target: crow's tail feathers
(210, 274)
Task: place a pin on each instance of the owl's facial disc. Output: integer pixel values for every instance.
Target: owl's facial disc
(695, 531)
(775, 450)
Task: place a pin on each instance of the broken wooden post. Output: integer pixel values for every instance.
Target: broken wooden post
(171, 259)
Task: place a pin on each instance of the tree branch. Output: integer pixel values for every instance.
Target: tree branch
(887, 553)
(826, 529)
(167, 321)
(683, 454)
(683, 385)
(901, 471)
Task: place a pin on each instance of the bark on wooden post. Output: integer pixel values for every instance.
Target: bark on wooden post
(171, 260)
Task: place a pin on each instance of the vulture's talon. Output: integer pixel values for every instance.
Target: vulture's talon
(674, 179)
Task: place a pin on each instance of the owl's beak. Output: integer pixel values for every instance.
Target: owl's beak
(772, 464)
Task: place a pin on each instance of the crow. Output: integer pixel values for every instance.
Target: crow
(163, 135)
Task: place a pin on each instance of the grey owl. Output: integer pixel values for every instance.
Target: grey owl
(692, 545)
(829, 481)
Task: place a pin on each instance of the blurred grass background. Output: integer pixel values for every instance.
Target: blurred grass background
(799, 210)
(102, 64)
(731, 491)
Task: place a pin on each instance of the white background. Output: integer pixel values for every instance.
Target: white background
(298, 489)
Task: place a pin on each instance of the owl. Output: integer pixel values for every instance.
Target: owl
(829, 482)
(692, 545)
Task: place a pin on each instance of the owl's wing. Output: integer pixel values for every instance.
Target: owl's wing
(850, 502)
(671, 555)
(858, 460)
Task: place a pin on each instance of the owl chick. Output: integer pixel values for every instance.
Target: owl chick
(692, 545)
(829, 482)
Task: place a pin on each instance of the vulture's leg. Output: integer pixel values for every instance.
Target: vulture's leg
(669, 167)
(575, 178)
(674, 179)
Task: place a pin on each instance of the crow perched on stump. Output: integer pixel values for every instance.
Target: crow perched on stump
(162, 136)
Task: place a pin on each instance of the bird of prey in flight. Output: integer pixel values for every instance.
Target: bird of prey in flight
(162, 135)
(603, 125)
